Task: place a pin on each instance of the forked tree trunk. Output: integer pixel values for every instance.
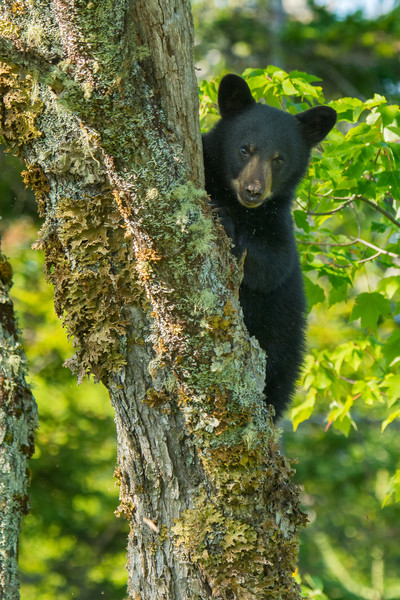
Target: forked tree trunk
(100, 99)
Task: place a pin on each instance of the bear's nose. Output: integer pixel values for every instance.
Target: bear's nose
(253, 191)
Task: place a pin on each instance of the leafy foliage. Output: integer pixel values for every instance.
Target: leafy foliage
(347, 216)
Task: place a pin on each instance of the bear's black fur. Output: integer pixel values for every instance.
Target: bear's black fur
(254, 157)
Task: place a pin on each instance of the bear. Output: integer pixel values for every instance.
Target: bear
(254, 157)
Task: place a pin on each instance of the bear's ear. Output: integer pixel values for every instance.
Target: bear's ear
(234, 95)
(317, 123)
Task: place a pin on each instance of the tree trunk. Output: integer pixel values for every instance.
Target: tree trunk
(101, 102)
(18, 420)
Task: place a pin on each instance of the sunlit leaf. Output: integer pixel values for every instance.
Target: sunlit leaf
(391, 384)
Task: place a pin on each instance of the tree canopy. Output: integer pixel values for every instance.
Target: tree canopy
(355, 55)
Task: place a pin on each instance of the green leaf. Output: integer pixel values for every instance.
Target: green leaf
(369, 307)
(391, 134)
(341, 418)
(393, 489)
(392, 416)
(301, 220)
(368, 388)
(348, 109)
(338, 292)
(314, 292)
(392, 386)
(391, 348)
(349, 354)
(307, 77)
(303, 411)
(389, 113)
(289, 88)
(343, 425)
(375, 101)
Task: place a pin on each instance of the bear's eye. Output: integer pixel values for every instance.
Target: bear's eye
(278, 160)
(245, 151)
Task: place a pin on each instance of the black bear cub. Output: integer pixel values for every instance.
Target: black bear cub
(254, 158)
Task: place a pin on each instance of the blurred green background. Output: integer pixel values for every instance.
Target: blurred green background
(72, 545)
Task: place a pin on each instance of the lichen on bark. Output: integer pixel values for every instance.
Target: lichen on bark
(91, 300)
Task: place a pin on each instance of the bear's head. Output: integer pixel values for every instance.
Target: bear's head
(265, 150)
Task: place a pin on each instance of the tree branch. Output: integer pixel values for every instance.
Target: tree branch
(378, 208)
(348, 201)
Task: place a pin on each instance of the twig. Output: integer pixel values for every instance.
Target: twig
(351, 243)
(378, 208)
(329, 212)
(379, 250)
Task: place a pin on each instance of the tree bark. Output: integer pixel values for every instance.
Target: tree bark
(101, 102)
(18, 421)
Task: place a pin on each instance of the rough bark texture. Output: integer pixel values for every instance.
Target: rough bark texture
(166, 30)
(159, 473)
(18, 420)
(145, 283)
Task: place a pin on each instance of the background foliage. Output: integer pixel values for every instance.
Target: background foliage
(347, 412)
